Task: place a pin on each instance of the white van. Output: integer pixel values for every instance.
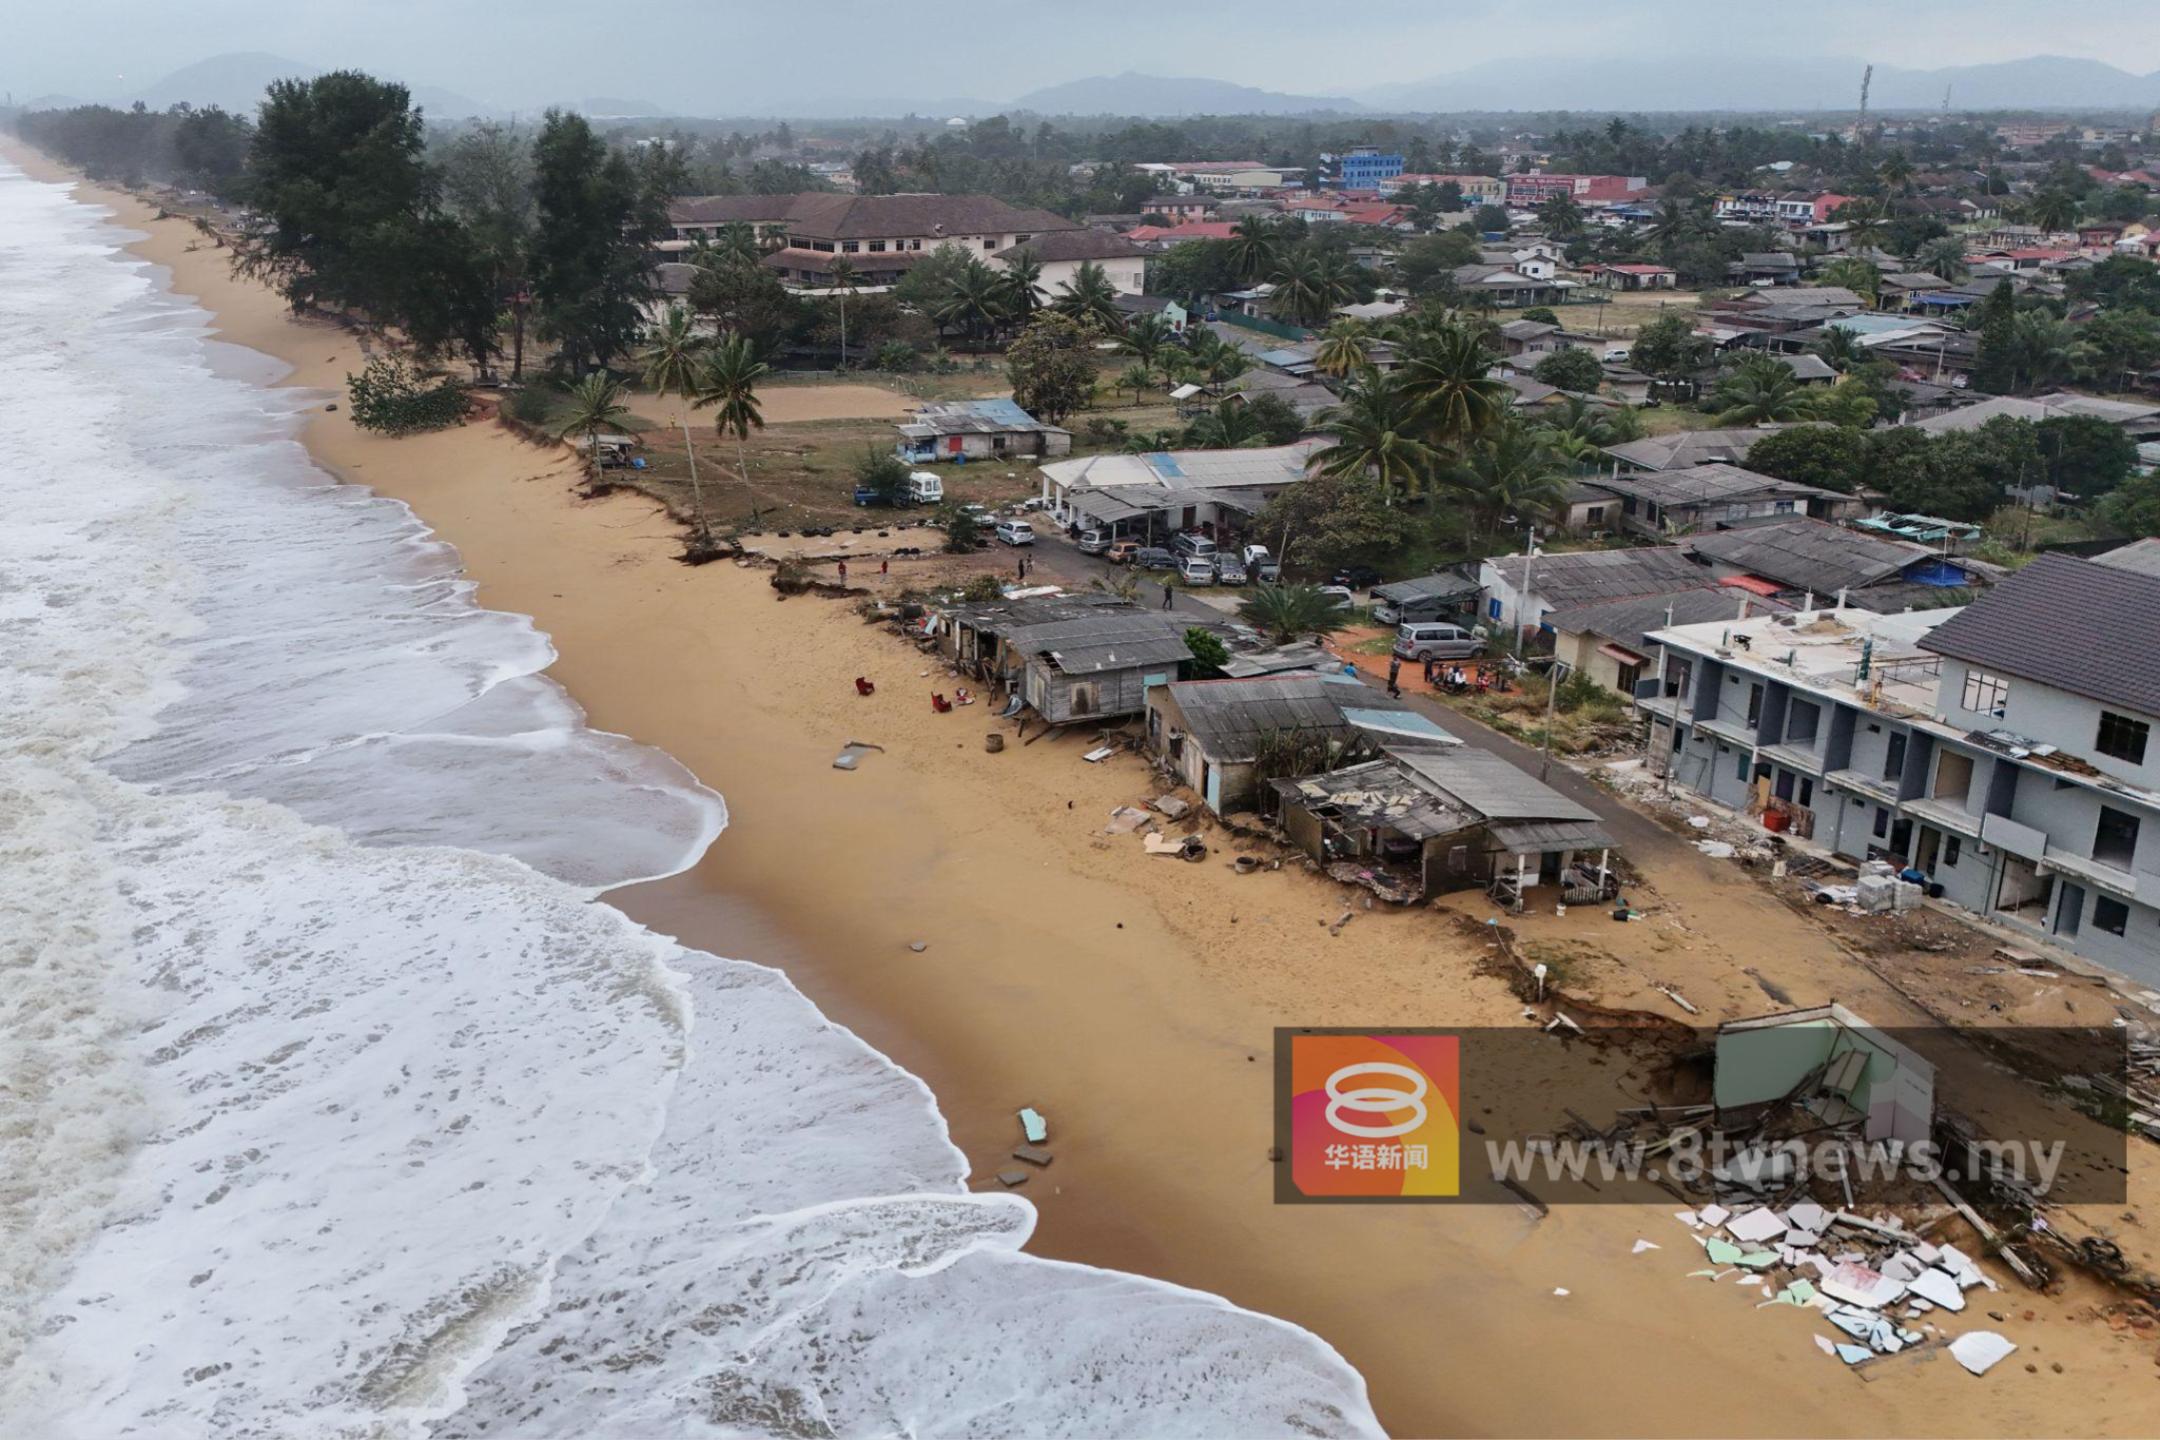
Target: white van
(925, 488)
(1198, 546)
(1094, 542)
(1197, 569)
(1016, 532)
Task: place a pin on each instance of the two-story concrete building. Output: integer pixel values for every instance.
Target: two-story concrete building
(879, 236)
(2003, 750)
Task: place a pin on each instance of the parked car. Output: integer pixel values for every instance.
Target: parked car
(1229, 569)
(1154, 557)
(1357, 577)
(1341, 595)
(1436, 641)
(1121, 552)
(925, 488)
(864, 495)
(1094, 542)
(1016, 532)
(1197, 570)
(1261, 565)
(1191, 544)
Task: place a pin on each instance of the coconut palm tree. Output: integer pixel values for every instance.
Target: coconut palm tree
(1378, 431)
(1562, 216)
(1021, 297)
(1445, 374)
(975, 303)
(1676, 221)
(1090, 298)
(592, 405)
(1510, 471)
(843, 281)
(1896, 172)
(1227, 427)
(673, 361)
(729, 384)
(2051, 210)
(1300, 288)
(1343, 350)
(1214, 360)
(1761, 391)
(1944, 256)
(1864, 221)
(1139, 379)
(2043, 349)
(1254, 246)
(1840, 348)
(1578, 429)
(1146, 337)
(1290, 612)
(1858, 276)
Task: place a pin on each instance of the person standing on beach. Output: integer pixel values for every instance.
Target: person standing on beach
(884, 567)
(843, 572)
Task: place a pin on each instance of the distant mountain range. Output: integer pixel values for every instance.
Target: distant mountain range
(1751, 82)
(237, 82)
(1738, 82)
(1133, 94)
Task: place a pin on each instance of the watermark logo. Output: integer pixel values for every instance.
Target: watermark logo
(1372, 1115)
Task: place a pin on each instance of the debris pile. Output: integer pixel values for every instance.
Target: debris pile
(1880, 1286)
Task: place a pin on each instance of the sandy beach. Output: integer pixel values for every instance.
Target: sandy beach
(1133, 999)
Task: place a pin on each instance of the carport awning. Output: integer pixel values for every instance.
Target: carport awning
(1523, 837)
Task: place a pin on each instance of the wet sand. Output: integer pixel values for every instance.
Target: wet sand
(1133, 999)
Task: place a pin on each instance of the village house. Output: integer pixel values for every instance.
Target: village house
(2003, 755)
(2140, 421)
(1796, 558)
(972, 635)
(1530, 190)
(880, 236)
(1154, 496)
(1445, 595)
(962, 430)
(1098, 666)
(1715, 496)
(1685, 449)
(1605, 640)
(1520, 591)
(1766, 267)
(1061, 253)
(1509, 288)
(1629, 276)
(1424, 820)
(1223, 737)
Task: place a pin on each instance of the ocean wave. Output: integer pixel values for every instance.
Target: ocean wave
(332, 1101)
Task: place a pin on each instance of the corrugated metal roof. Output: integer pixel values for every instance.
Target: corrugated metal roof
(1713, 483)
(1806, 554)
(1481, 781)
(1446, 584)
(2142, 556)
(1537, 836)
(1228, 717)
(1588, 576)
(2090, 629)
(1691, 447)
(1116, 640)
(1628, 621)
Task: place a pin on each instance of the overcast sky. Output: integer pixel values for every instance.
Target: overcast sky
(721, 56)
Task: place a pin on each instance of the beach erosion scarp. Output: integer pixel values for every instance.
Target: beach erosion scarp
(344, 1103)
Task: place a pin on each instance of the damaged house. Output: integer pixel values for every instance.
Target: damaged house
(1419, 822)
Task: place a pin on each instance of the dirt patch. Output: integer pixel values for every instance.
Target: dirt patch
(785, 404)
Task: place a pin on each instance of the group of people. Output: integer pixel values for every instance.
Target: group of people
(1446, 675)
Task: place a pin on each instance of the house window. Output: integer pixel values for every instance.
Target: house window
(2122, 737)
(849, 247)
(990, 244)
(1784, 507)
(914, 244)
(1882, 822)
(1741, 771)
(1595, 515)
(1985, 693)
(1800, 730)
(876, 246)
(2115, 838)
(1022, 239)
(1951, 849)
(1754, 704)
(2110, 914)
(1893, 764)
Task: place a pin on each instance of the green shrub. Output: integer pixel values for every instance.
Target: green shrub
(390, 398)
(532, 405)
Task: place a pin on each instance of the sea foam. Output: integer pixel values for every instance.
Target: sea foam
(331, 1099)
